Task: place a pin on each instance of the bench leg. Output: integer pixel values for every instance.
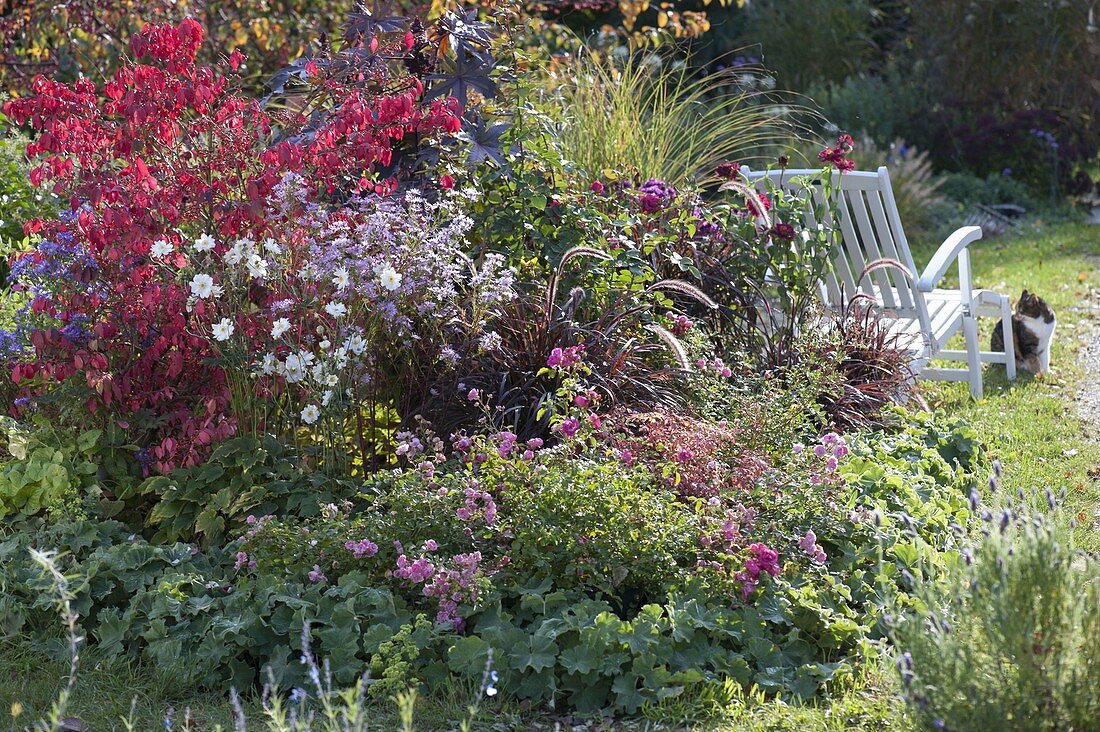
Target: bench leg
(973, 355)
(1010, 344)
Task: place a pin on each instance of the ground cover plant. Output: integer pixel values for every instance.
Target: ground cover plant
(383, 395)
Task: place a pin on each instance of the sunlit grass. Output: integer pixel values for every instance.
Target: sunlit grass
(1031, 424)
(107, 689)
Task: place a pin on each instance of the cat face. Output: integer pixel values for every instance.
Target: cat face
(1032, 306)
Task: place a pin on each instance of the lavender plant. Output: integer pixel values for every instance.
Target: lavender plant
(1011, 638)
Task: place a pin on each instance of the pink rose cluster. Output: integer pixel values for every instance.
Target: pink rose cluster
(478, 504)
(256, 524)
(808, 544)
(423, 450)
(655, 195)
(679, 324)
(244, 561)
(716, 365)
(508, 444)
(362, 548)
(762, 560)
(416, 571)
(728, 534)
(726, 538)
(504, 443)
(450, 585)
(569, 427)
(830, 450)
(565, 358)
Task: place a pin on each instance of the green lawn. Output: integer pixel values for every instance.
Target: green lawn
(1029, 424)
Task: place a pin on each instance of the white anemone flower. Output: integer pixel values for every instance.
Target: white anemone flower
(390, 278)
(310, 413)
(272, 247)
(233, 256)
(341, 278)
(202, 286)
(257, 267)
(293, 369)
(280, 326)
(356, 344)
(161, 249)
(336, 309)
(204, 243)
(223, 330)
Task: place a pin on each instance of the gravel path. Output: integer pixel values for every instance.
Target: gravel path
(1087, 399)
(1088, 396)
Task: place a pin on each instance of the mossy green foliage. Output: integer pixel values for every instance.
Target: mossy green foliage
(46, 469)
(244, 475)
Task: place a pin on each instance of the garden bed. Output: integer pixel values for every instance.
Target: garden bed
(385, 394)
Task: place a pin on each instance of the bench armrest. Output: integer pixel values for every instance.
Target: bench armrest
(954, 247)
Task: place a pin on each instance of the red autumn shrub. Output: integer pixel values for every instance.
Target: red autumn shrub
(166, 151)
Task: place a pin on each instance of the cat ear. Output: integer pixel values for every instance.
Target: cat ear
(1024, 295)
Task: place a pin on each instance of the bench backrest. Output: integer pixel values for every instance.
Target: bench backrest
(870, 229)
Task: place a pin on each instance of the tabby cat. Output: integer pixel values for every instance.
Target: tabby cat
(1032, 332)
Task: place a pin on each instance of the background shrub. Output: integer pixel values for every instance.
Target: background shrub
(975, 98)
(967, 190)
(835, 39)
(1009, 72)
(91, 37)
(855, 104)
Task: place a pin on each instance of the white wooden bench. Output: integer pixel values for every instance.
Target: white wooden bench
(923, 315)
